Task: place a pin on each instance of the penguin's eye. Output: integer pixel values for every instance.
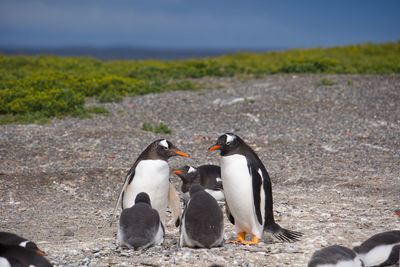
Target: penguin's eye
(228, 143)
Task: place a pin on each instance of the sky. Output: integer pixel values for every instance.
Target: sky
(233, 24)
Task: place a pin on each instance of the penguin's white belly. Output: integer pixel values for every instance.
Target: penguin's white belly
(152, 177)
(217, 194)
(238, 190)
(4, 262)
(377, 255)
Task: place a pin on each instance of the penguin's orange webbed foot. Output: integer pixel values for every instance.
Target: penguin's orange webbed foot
(254, 241)
(241, 238)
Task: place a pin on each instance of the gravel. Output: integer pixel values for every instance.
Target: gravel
(333, 154)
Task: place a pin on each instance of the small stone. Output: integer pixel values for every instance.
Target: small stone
(69, 232)
(73, 252)
(95, 250)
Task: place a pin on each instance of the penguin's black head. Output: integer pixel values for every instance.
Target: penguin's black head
(142, 198)
(227, 143)
(186, 173)
(164, 149)
(31, 245)
(194, 189)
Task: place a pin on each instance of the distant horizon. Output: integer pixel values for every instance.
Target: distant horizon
(187, 48)
(126, 52)
(139, 52)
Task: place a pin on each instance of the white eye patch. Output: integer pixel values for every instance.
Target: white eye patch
(23, 243)
(191, 169)
(229, 138)
(164, 143)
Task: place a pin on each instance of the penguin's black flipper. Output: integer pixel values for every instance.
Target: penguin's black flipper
(178, 222)
(229, 214)
(128, 180)
(283, 234)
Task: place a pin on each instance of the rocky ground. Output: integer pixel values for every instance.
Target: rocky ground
(333, 154)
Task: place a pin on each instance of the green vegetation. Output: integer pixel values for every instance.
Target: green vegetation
(42, 118)
(42, 87)
(160, 128)
(349, 82)
(325, 82)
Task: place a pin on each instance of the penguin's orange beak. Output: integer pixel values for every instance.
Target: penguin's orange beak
(41, 253)
(177, 172)
(180, 153)
(214, 147)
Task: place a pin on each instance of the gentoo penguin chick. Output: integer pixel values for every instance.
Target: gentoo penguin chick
(335, 256)
(248, 191)
(208, 176)
(150, 174)
(202, 221)
(7, 238)
(382, 249)
(14, 255)
(140, 225)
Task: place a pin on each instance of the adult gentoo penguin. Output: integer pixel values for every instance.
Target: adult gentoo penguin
(140, 225)
(150, 174)
(335, 256)
(208, 176)
(202, 221)
(382, 249)
(7, 238)
(14, 255)
(248, 191)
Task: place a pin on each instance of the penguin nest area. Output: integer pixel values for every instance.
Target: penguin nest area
(332, 151)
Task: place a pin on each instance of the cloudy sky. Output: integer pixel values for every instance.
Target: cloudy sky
(197, 23)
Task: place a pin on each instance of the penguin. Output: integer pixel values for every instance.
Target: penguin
(15, 255)
(382, 249)
(248, 192)
(150, 174)
(140, 225)
(202, 221)
(7, 238)
(335, 256)
(208, 176)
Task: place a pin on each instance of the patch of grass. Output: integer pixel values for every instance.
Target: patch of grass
(58, 86)
(147, 126)
(85, 113)
(36, 117)
(109, 96)
(98, 110)
(325, 82)
(158, 128)
(349, 82)
(162, 128)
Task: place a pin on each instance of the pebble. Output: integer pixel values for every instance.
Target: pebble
(69, 232)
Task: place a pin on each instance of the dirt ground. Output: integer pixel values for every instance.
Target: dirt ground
(332, 152)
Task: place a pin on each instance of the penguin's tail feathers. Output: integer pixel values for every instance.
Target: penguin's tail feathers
(283, 234)
(138, 243)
